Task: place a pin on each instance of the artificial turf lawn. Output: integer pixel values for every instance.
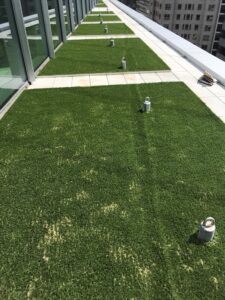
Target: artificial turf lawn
(93, 18)
(98, 29)
(101, 12)
(96, 56)
(100, 201)
(101, 5)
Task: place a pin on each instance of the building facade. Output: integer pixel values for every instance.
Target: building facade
(221, 44)
(194, 20)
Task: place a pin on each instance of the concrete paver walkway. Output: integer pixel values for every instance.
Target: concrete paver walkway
(102, 14)
(101, 37)
(102, 79)
(104, 22)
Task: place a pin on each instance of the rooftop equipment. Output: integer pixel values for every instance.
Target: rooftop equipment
(106, 29)
(147, 105)
(112, 43)
(123, 63)
(207, 79)
(207, 230)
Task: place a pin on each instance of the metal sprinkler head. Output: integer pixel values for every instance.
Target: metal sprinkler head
(207, 230)
(147, 105)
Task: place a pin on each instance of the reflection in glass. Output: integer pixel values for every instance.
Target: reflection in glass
(76, 21)
(54, 21)
(78, 6)
(66, 18)
(12, 74)
(33, 21)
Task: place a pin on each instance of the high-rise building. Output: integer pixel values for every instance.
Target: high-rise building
(218, 49)
(198, 21)
(221, 44)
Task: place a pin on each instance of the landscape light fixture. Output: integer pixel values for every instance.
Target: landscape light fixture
(101, 20)
(106, 29)
(207, 230)
(123, 64)
(112, 43)
(147, 105)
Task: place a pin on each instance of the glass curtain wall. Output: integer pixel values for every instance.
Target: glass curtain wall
(83, 8)
(87, 6)
(34, 24)
(75, 13)
(12, 72)
(79, 9)
(66, 16)
(53, 12)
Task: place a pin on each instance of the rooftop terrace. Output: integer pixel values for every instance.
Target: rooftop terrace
(100, 200)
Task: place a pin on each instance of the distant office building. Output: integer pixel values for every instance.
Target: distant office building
(198, 21)
(221, 44)
(130, 3)
(219, 33)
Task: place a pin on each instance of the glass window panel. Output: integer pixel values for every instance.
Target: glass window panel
(33, 21)
(66, 16)
(54, 21)
(76, 21)
(84, 8)
(12, 73)
(79, 10)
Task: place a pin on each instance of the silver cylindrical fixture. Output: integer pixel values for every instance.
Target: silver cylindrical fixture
(123, 63)
(112, 43)
(106, 30)
(147, 105)
(207, 230)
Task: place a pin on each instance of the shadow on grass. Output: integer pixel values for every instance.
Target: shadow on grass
(193, 239)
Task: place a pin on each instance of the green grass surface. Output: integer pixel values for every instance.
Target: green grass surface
(100, 201)
(101, 12)
(96, 56)
(93, 18)
(98, 29)
(101, 5)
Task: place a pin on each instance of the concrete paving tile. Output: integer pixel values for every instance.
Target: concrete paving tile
(43, 82)
(217, 90)
(133, 78)
(222, 99)
(150, 77)
(200, 90)
(214, 104)
(98, 80)
(101, 37)
(165, 77)
(185, 76)
(116, 79)
(82, 80)
(63, 82)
